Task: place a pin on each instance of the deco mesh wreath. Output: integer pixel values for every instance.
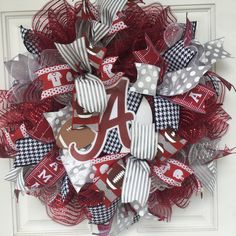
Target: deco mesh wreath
(114, 113)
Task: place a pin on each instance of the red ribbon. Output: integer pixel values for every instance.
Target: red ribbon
(47, 172)
(194, 99)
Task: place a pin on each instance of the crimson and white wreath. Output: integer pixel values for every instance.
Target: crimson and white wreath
(114, 113)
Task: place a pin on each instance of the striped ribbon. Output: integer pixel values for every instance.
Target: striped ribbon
(98, 31)
(143, 141)
(201, 157)
(109, 9)
(75, 54)
(90, 93)
(105, 23)
(16, 175)
(137, 183)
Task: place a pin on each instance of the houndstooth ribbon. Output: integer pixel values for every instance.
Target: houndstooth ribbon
(181, 80)
(136, 184)
(183, 74)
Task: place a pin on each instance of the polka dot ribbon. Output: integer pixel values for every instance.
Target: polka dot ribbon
(184, 80)
(180, 81)
(147, 78)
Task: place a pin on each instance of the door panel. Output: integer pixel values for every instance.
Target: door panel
(212, 215)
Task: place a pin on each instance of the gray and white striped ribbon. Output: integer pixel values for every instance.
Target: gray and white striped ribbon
(90, 91)
(109, 9)
(200, 160)
(16, 176)
(75, 54)
(91, 94)
(143, 141)
(136, 184)
(98, 31)
(83, 27)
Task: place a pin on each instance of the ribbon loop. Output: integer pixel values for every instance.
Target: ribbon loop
(147, 78)
(143, 141)
(98, 31)
(109, 9)
(91, 94)
(16, 176)
(75, 54)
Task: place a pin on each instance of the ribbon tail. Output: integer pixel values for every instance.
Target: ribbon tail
(75, 54)
(136, 184)
(16, 176)
(109, 10)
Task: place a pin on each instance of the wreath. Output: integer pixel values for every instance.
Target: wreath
(114, 113)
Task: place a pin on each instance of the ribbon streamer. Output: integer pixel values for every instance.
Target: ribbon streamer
(143, 141)
(78, 171)
(181, 81)
(16, 175)
(136, 184)
(201, 157)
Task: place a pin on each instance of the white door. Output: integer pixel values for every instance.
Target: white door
(210, 216)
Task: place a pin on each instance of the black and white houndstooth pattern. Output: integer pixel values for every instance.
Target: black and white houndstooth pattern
(133, 101)
(215, 82)
(30, 46)
(65, 187)
(30, 152)
(101, 214)
(113, 144)
(178, 56)
(166, 114)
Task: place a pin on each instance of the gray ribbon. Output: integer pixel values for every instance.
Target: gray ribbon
(97, 29)
(182, 81)
(16, 175)
(201, 161)
(78, 171)
(90, 91)
(137, 183)
(147, 78)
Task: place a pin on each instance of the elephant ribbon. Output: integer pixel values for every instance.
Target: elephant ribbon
(172, 172)
(137, 183)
